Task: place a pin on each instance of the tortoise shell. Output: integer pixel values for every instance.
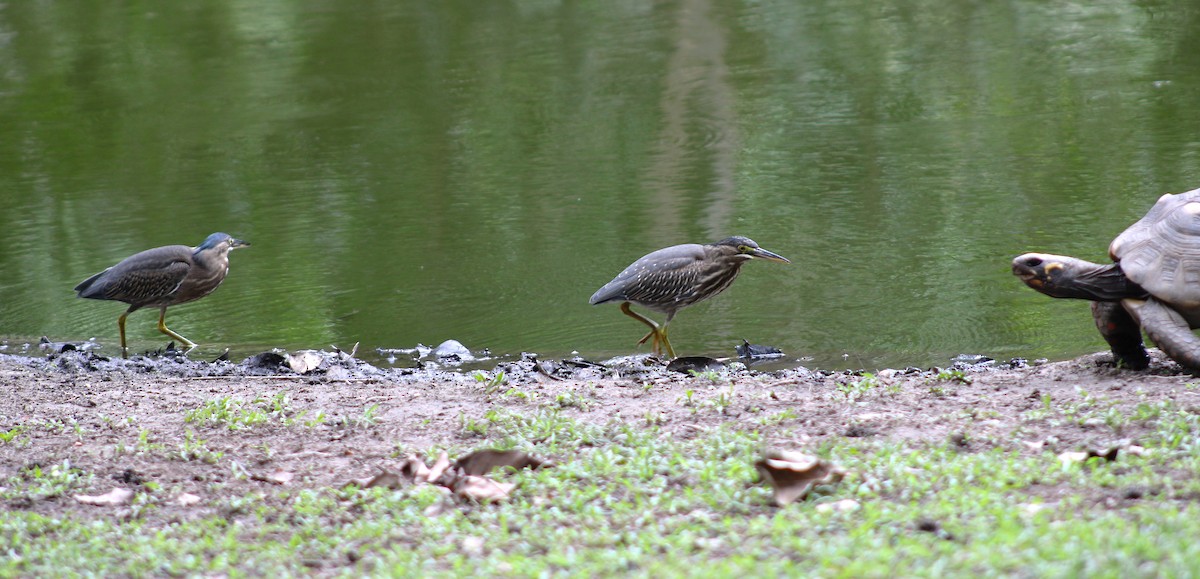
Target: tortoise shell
(1161, 252)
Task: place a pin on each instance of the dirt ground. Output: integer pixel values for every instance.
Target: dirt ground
(126, 421)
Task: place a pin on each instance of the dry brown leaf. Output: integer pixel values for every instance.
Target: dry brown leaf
(414, 468)
(1082, 456)
(188, 499)
(481, 489)
(304, 362)
(460, 478)
(841, 506)
(792, 475)
(1033, 508)
(439, 467)
(117, 496)
(1070, 457)
(481, 462)
(435, 509)
(473, 546)
(385, 478)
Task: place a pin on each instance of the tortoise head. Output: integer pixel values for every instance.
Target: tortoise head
(1061, 276)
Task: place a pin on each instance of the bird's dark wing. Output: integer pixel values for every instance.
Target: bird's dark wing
(142, 278)
(647, 280)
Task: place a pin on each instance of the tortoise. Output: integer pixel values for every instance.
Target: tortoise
(1153, 283)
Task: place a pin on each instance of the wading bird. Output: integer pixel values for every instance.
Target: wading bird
(675, 277)
(162, 277)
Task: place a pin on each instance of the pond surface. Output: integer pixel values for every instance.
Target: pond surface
(410, 172)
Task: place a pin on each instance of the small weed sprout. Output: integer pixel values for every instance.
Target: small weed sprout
(858, 388)
(227, 411)
(368, 417)
(949, 375)
(476, 427)
(193, 448)
(490, 384)
(144, 444)
(779, 417)
(39, 483)
(236, 414)
(654, 418)
(521, 395)
(11, 434)
(572, 400)
(723, 400)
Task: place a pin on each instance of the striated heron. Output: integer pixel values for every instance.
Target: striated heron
(162, 277)
(675, 277)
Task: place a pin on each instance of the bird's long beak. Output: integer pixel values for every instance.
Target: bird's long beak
(769, 255)
(235, 243)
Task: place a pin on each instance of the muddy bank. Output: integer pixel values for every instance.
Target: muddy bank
(173, 422)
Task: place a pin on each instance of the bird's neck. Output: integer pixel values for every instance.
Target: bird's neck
(211, 259)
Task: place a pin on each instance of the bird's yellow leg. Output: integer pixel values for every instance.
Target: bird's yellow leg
(662, 336)
(121, 324)
(657, 332)
(162, 327)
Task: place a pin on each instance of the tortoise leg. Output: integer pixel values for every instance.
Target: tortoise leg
(1167, 329)
(1123, 334)
(162, 327)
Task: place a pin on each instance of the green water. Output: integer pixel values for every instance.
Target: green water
(410, 172)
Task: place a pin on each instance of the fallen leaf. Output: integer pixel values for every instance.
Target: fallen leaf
(439, 467)
(481, 489)
(1033, 508)
(473, 546)
(385, 478)
(304, 362)
(482, 462)
(414, 468)
(117, 496)
(1072, 457)
(1082, 456)
(792, 475)
(436, 508)
(188, 499)
(463, 478)
(841, 506)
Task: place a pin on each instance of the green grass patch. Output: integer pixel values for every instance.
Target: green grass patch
(237, 414)
(631, 498)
